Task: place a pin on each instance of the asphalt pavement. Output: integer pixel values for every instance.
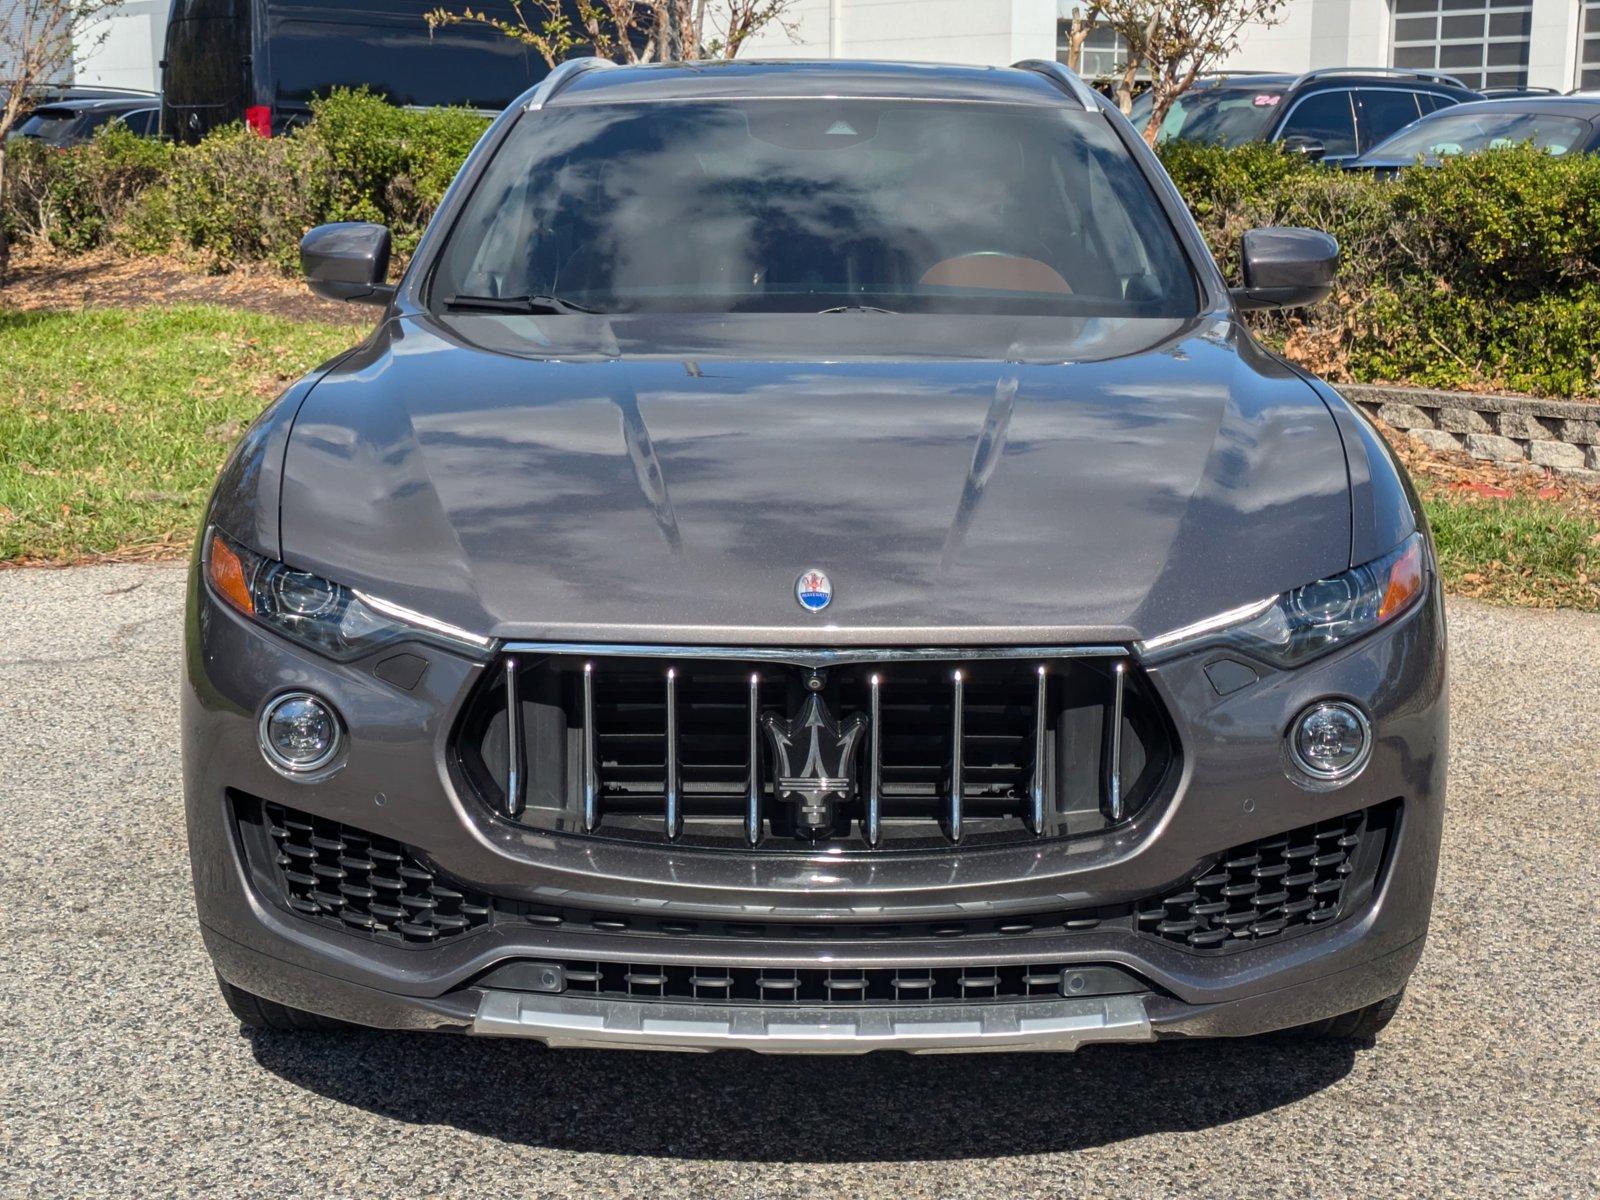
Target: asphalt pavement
(122, 1074)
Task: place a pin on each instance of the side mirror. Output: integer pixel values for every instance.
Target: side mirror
(348, 261)
(1286, 267)
(1299, 143)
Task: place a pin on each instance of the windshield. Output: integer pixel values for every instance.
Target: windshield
(1228, 116)
(48, 125)
(1464, 133)
(808, 205)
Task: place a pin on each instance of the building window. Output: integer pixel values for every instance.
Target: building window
(1589, 47)
(1105, 51)
(1483, 43)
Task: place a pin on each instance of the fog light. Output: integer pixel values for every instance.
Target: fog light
(1330, 740)
(299, 733)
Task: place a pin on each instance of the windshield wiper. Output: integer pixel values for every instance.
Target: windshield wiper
(858, 308)
(516, 304)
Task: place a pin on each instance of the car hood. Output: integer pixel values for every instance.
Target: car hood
(1004, 480)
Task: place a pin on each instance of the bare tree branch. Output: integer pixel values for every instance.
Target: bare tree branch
(1174, 41)
(1084, 22)
(630, 31)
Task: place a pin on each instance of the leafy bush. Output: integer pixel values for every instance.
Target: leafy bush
(237, 197)
(388, 164)
(73, 200)
(1483, 272)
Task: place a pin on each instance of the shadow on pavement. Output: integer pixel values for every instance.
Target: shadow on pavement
(745, 1107)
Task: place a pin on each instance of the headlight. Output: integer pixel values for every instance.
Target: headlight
(326, 617)
(1297, 626)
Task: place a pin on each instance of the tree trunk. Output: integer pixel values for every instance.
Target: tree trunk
(1164, 93)
(672, 35)
(1125, 85)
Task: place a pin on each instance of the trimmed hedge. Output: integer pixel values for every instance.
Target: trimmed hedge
(237, 197)
(1481, 273)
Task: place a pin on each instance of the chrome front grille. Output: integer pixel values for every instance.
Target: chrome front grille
(774, 749)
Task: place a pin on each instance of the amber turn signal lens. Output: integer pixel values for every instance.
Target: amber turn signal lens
(1405, 582)
(226, 573)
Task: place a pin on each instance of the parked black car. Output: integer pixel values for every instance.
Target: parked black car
(68, 122)
(1556, 124)
(1331, 114)
(262, 61)
(812, 559)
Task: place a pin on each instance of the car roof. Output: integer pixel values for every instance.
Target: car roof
(1571, 106)
(82, 105)
(791, 78)
(1247, 80)
(1340, 76)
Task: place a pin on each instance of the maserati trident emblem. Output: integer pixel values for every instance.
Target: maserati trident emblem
(814, 758)
(814, 590)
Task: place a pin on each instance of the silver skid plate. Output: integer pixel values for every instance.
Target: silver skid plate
(581, 1022)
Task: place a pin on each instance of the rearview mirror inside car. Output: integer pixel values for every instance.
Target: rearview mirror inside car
(348, 260)
(1285, 267)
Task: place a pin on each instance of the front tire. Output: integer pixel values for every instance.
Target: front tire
(257, 1012)
(1362, 1025)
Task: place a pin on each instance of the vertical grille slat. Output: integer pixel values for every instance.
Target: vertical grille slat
(516, 744)
(1036, 785)
(872, 828)
(673, 808)
(1112, 753)
(963, 749)
(957, 755)
(590, 765)
(753, 787)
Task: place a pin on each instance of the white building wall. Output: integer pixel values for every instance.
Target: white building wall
(123, 49)
(952, 31)
(1553, 43)
(1311, 34)
(1318, 33)
(1286, 46)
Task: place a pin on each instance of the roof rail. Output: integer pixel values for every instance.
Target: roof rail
(1063, 78)
(1388, 72)
(563, 74)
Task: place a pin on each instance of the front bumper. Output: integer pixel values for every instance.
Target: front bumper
(395, 781)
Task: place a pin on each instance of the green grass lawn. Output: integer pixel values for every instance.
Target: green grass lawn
(113, 422)
(1518, 550)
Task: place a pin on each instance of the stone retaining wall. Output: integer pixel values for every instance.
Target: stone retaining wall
(1563, 435)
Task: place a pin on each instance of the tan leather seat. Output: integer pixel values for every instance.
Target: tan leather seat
(997, 272)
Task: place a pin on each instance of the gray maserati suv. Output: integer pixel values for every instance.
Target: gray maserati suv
(811, 559)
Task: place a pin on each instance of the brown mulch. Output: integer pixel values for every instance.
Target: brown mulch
(1465, 477)
(106, 279)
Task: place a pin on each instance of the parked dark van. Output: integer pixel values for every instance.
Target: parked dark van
(262, 61)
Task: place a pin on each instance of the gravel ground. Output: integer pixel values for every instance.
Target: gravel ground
(125, 1076)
